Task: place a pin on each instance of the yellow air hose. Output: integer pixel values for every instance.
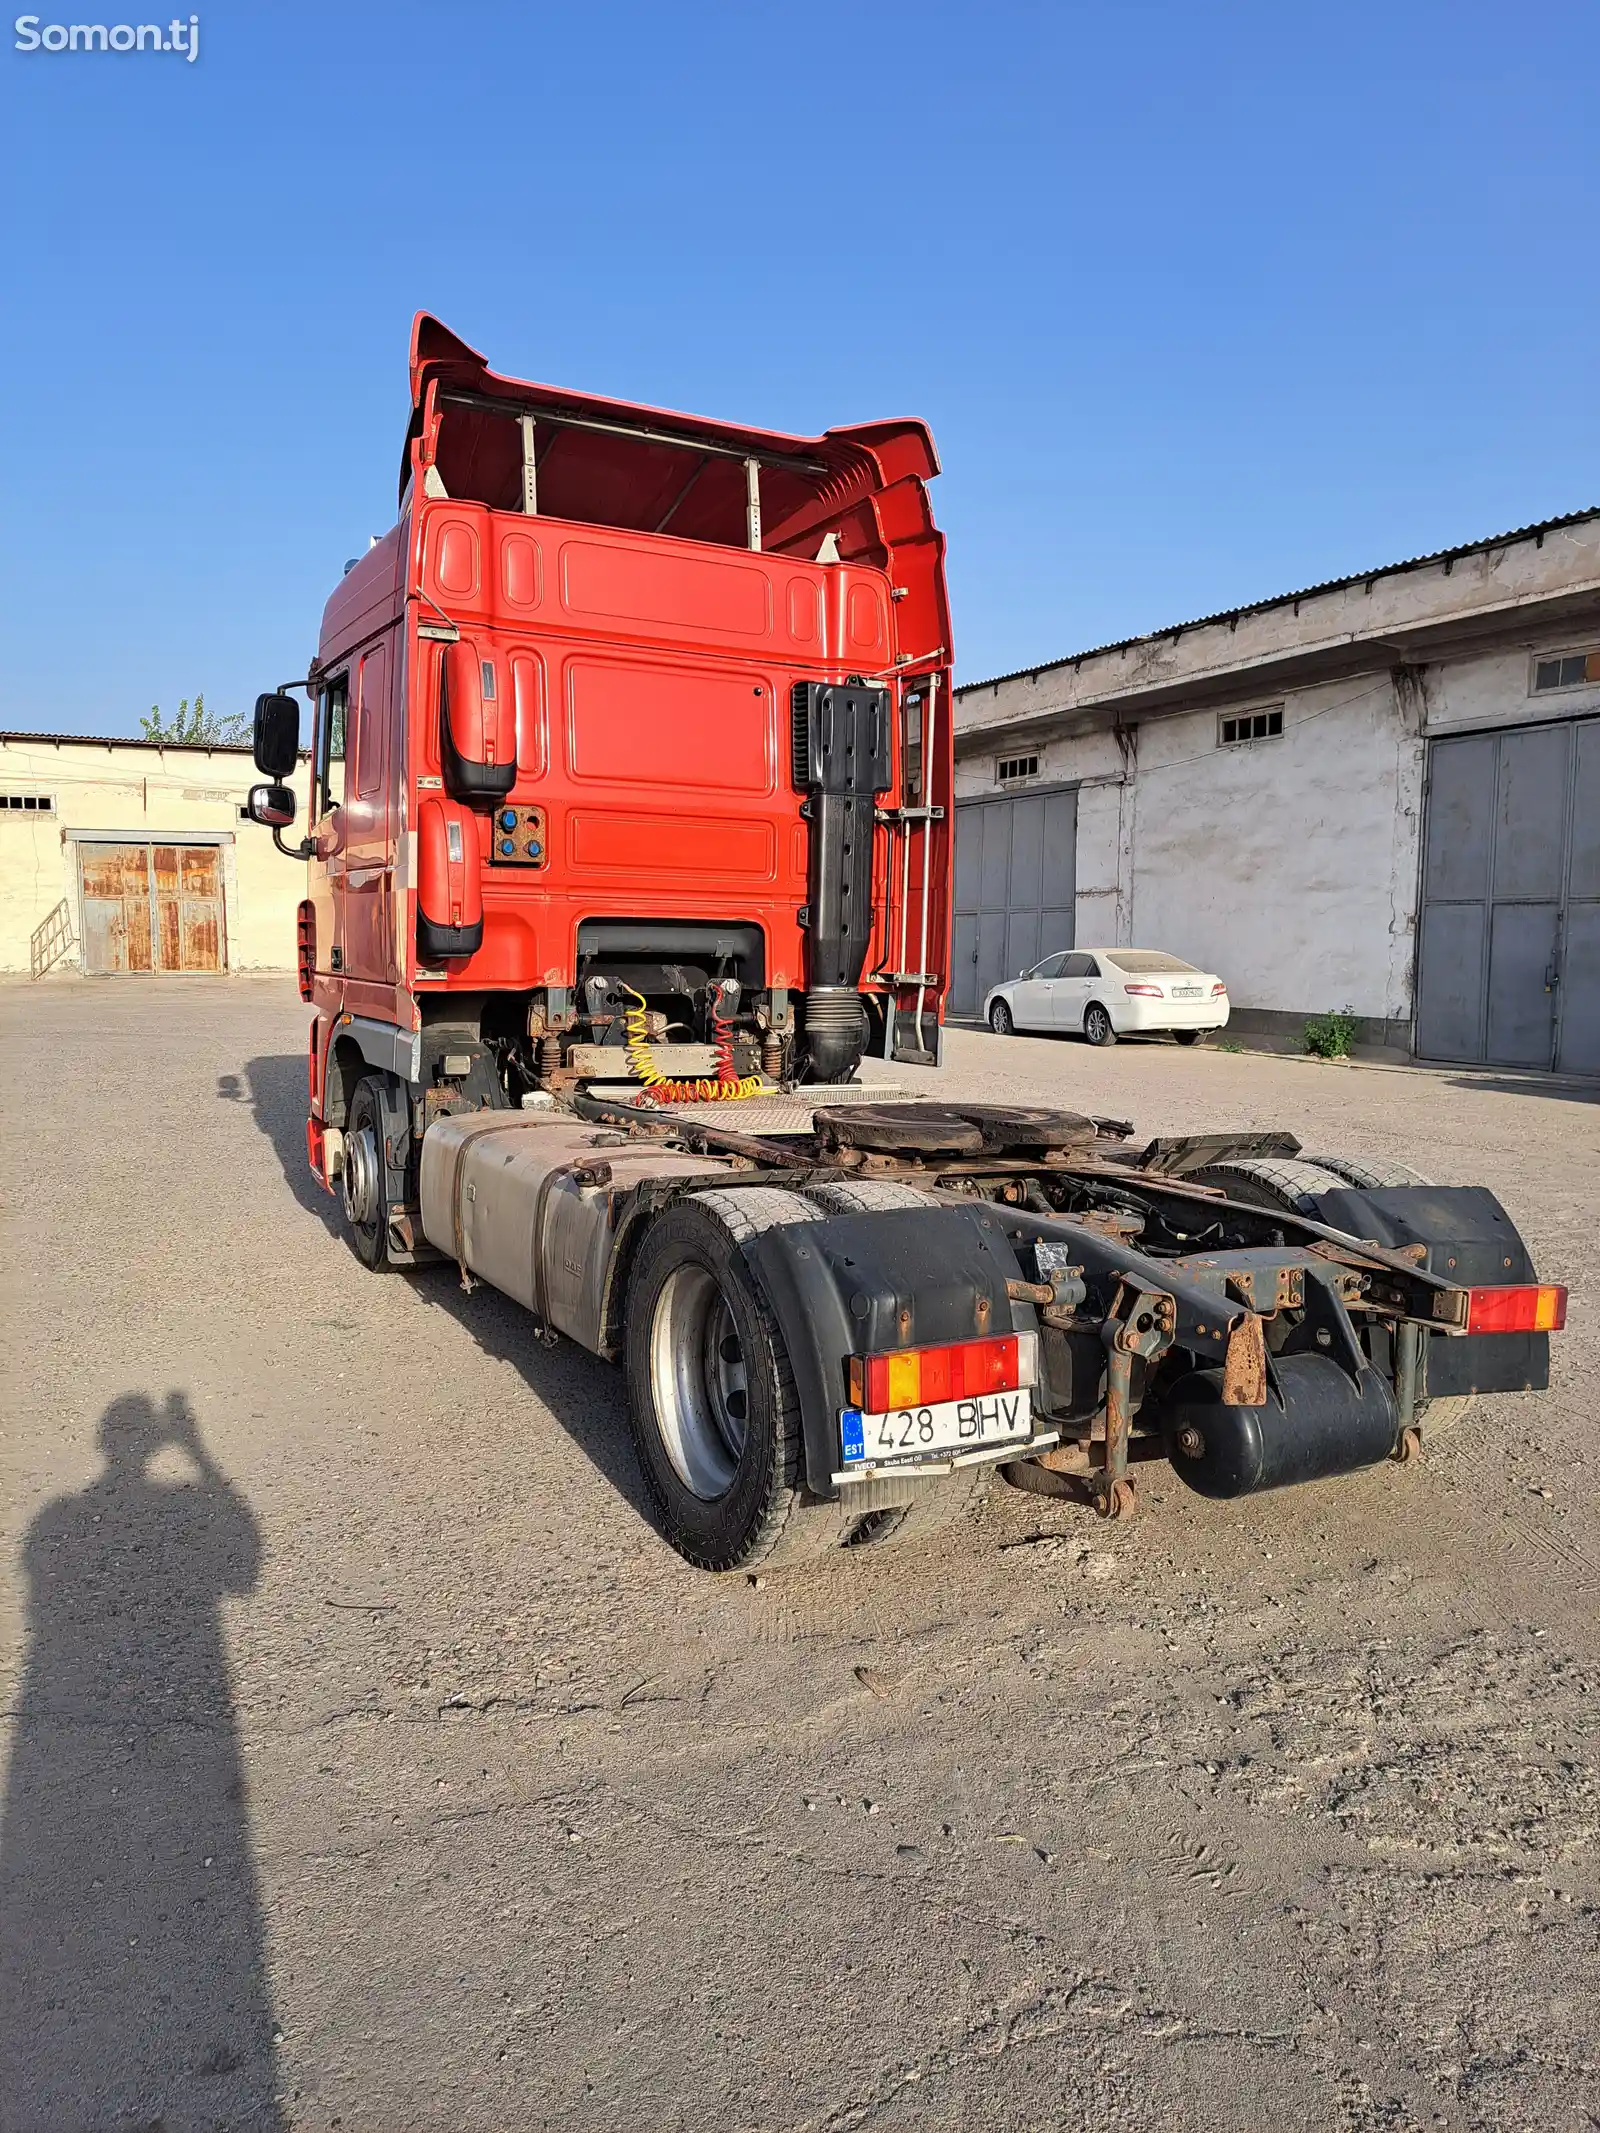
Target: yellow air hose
(728, 1086)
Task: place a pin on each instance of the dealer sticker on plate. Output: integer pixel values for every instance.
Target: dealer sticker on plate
(946, 1426)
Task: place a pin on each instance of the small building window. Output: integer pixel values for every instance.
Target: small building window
(1567, 670)
(1014, 769)
(28, 803)
(1249, 726)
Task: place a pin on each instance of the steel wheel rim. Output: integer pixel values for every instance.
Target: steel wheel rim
(698, 1382)
(361, 1177)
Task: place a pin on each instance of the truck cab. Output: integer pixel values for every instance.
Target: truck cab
(628, 707)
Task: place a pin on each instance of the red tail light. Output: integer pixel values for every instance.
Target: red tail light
(1151, 992)
(918, 1377)
(1520, 1310)
(1219, 991)
(305, 936)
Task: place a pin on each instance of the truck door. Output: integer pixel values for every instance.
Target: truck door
(327, 820)
(368, 930)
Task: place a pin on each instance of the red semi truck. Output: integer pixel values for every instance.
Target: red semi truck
(630, 835)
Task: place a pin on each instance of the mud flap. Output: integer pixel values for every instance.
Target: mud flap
(1469, 1238)
(869, 1284)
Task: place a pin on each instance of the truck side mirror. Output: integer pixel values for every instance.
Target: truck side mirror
(277, 737)
(271, 805)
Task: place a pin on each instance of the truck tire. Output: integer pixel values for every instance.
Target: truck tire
(711, 1396)
(363, 1184)
(1285, 1184)
(1294, 1186)
(1370, 1173)
(937, 1506)
(868, 1196)
(1097, 1024)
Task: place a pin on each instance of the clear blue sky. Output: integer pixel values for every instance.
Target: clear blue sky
(1203, 302)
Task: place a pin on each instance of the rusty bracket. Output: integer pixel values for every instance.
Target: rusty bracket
(1033, 1292)
(1287, 1291)
(1141, 1322)
(1244, 1366)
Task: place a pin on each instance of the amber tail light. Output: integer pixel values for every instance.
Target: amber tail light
(305, 941)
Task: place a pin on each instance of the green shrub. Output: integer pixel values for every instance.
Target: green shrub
(1328, 1036)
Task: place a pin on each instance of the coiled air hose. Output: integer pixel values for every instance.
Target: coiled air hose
(726, 1088)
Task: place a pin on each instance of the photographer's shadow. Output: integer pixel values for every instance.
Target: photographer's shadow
(133, 1986)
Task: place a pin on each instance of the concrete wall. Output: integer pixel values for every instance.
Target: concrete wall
(1494, 689)
(1290, 865)
(160, 792)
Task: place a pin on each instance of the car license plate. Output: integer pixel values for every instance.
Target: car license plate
(945, 1427)
(1186, 992)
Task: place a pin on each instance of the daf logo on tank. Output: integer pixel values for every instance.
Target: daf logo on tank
(176, 36)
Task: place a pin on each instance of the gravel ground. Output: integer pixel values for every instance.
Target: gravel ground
(372, 1763)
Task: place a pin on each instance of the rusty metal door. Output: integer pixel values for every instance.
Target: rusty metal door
(1016, 884)
(188, 902)
(151, 907)
(116, 908)
(1509, 943)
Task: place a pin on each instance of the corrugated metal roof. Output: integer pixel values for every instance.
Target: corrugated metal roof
(123, 740)
(1307, 592)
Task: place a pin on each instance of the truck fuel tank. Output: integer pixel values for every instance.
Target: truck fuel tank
(529, 1203)
(1317, 1421)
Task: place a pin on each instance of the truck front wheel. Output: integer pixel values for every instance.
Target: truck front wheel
(364, 1183)
(711, 1396)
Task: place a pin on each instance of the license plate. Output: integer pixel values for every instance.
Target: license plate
(947, 1426)
(1187, 992)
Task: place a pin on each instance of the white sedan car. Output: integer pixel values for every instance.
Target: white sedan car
(1107, 993)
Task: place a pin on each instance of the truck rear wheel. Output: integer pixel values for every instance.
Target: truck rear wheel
(711, 1396)
(1294, 1185)
(937, 1506)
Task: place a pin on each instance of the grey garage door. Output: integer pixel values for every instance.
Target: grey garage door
(1509, 963)
(1016, 879)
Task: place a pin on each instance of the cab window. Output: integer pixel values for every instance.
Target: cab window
(333, 717)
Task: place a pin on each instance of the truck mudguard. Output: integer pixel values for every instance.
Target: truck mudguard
(478, 722)
(449, 881)
(871, 1284)
(1470, 1239)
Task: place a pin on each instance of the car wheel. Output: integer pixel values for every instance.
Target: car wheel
(1097, 1024)
(1000, 1019)
(1189, 1036)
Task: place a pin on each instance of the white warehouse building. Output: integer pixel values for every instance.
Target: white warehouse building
(1380, 794)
